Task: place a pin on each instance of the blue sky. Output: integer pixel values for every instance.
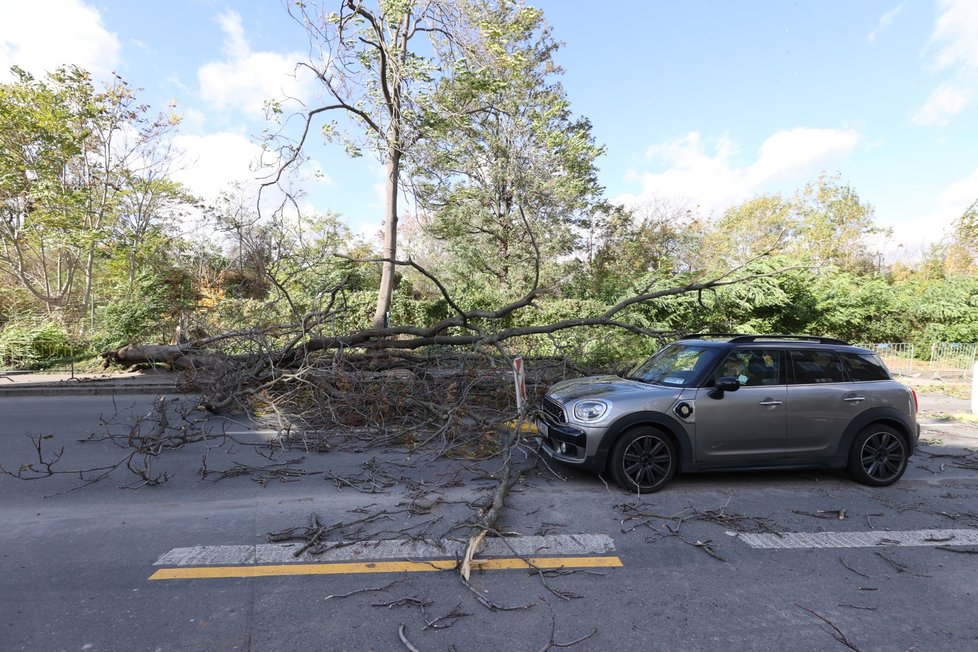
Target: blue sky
(704, 102)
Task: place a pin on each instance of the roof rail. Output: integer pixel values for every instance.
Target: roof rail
(802, 338)
(702, 336)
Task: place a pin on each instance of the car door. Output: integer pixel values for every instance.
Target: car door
(748, 424)
(821, 403)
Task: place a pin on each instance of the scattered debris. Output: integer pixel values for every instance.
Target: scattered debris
(900, 567)
(836, 632)
(850, 568)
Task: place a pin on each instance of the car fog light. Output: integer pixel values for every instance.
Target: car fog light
(562, 448)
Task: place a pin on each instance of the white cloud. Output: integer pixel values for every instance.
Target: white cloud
(885, 21)
(247, 79)
(954, 42)
(40, 37)
(956, 33)
(712, 179)
(796, 151)
(958, 196)
(945, 102)
(235, 42)
(949, 205)
(209, 164)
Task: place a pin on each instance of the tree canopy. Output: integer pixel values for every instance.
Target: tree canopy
(463, 102)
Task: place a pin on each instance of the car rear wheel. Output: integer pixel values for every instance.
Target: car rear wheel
(643, 460)
(879, 456)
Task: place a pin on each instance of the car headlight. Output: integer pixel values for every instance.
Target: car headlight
(590, 410)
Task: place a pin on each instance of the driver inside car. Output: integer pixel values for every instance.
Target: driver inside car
(734, 366)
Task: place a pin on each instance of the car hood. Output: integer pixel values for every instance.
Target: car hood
(607, 387)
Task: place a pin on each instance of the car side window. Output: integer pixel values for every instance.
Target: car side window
(751, 367)
(865, 366)
(814, 366)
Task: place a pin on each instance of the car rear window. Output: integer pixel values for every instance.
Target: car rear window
(865, 366)
(816, 366)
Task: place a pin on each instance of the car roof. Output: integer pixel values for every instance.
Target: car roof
(729, 340)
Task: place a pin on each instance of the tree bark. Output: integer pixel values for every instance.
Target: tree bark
(390, 241)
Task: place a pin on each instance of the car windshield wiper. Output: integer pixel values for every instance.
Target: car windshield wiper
(641, 380)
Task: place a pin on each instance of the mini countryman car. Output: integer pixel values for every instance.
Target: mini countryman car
(745, 402)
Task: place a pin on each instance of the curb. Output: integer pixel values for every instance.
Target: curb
(87, 390)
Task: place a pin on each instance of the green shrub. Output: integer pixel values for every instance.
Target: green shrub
(33, 346)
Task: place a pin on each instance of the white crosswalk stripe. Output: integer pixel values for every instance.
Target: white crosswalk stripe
(342, 551)
(861, 539)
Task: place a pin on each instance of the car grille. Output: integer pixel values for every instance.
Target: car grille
(553, 409)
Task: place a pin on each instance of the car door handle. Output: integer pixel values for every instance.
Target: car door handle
(770, 402)
(854, 399)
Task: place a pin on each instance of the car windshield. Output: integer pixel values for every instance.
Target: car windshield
(677, 365)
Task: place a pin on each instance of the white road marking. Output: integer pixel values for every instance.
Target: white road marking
(341, 551)
(862, 539)
(240, 433)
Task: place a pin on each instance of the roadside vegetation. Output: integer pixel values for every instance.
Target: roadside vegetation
(506, 229)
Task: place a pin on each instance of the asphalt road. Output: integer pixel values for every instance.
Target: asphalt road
(872, 569)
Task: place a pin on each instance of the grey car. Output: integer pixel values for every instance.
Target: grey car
(744, 402)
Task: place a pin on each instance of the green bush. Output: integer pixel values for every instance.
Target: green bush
(33, 346)
(143, 314)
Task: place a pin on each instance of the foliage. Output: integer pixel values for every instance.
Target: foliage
(463, 102)
(27, 345)
(80, 171)
(145, 314)
(520, 174)
(961, 250)
(380, 65)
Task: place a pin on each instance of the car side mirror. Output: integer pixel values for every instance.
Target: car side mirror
(724, 384)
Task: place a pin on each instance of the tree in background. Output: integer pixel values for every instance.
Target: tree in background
(74, 161)
(379, 65)
(284, 258)
(961, 250)
(518, 178)
(41, 132)
(626, 248)
(834, 226)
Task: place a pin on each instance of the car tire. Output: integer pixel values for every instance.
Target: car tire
(643, 460)
(879, 456)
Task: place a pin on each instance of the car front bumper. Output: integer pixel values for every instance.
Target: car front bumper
(566, 443)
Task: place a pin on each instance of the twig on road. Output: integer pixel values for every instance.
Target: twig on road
(407, 643)
(848, 567)
(900, 567)
(837, 633)
(367, 590)
(552, 643)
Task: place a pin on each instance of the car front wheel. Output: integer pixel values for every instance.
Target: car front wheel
(879, 456)
(643, 460)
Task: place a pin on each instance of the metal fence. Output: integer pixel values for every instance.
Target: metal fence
(39, 356)
(948, 360)
(953, 358)
(899, 357)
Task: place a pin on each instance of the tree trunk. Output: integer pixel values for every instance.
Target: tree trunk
(390, 240)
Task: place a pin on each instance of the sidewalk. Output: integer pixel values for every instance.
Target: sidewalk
(110, 382)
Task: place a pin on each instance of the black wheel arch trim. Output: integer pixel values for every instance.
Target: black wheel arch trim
(658, 419)
(885, 415)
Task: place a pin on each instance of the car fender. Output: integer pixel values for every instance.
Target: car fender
(887, 415)
(658, 419)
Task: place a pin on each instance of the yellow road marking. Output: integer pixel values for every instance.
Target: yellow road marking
(528, 426)
(212, 572)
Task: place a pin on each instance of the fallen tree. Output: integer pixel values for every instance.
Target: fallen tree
(245, 360)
